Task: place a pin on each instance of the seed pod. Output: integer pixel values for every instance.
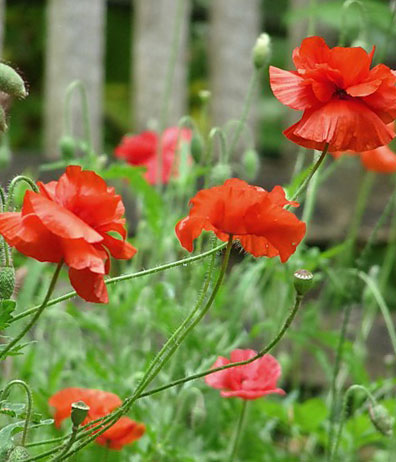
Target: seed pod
(79, 413)
(7, 282)
(303, 280)
(11, 82)
(18, 454)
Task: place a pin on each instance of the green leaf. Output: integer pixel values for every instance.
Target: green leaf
(6, 308)
(16, 350)
(310, 414)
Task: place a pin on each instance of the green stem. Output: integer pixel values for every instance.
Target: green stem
(41, 308)
(363, 195)
(345, 7)
(159, 362)
(29, 405)
(11, 189)
(67, 445)
(4, 250)
(68, 116)
(390, 253)
(315, 167)
(223, 145)
(173, 340)
(348, 393)
(238, 432)
(260, 354)
(125, 277)
(382, 305)
(333, 389)
(245, 111)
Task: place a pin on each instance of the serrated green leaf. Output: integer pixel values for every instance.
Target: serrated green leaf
(6, 308)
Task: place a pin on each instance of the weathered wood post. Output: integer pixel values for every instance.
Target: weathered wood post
(74, 50)
(234, 28)
(155, 22)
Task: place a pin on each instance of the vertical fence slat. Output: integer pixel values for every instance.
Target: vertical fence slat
(153, 31)
(74, 50)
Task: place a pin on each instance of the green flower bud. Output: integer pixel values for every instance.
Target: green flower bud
(78, 413)
(220, 173)
(261, 51)
(197, 147)
(11, 82)
(67, 147)
(7, 282)
(18, 454)
(381, 419)
(303, 280)
(251, 163)
(204, 95)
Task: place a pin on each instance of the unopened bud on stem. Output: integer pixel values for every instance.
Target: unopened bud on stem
(381, 419)
(11, 82)
(261, 51)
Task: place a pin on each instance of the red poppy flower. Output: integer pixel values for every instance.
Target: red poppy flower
(124, 431)
(142, 150)
(70, 220)
(250, 381)
(252, 215)
(100, 403)
(346, 104)
(380, 160)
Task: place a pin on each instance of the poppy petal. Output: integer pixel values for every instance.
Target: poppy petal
(291, 89)
(88, 285)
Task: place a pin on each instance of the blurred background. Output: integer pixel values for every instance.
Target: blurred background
(121, 49)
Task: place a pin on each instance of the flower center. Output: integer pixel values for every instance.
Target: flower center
(340, 93)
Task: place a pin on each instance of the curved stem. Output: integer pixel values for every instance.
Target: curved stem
(223, 145)
(11, 189)
(315, 167)
(29, 405)
(41, 308)
(125, 277)
(78, 85)
(238, 432)
(245, 111)
(261, 353)
(348, 393)
(382, 305)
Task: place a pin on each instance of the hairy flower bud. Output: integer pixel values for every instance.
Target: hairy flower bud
(11, 82)
(197, 147)
(7, 282)
(220, 173)
(79, 413)
(18, 454)
(67, 147)
(261, 50)
(381, 419)
(251, 163)
(204, 95)
(303, 280)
